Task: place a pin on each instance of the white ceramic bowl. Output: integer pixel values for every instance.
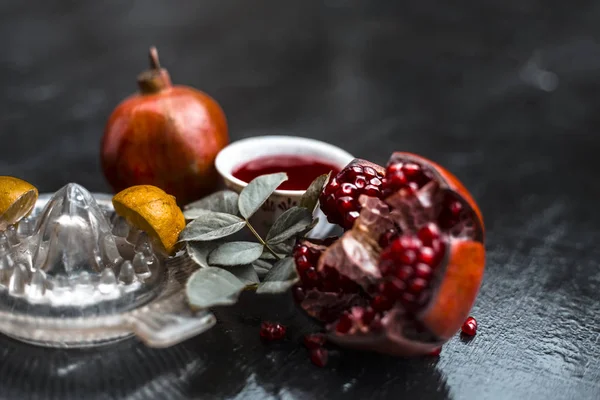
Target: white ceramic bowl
(245, 150)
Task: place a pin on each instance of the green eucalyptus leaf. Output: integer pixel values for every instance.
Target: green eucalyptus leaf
(236, 253)
(225, 201)
(210, 226)
(283, 249)
(310, 227)
(213, 286)
(280, 278)
(310, 198)
(257, 192)
(262, 267)
(194, 213)
(290, 223)
(267, 255)
(199, 251)
(245, 273)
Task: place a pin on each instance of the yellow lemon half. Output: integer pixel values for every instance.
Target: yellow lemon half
(17, 199)
(152, 210)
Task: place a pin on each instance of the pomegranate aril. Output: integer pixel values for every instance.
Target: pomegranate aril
(387, 267)
(368, 171)
(272, 331)
(423, 271)
(411, 170)
(372, 191)
(427, 255)
(417, 285)
(393, 168)
(404, 272)
(302, 264)
(319, 357)
(314, 340)
(455, 208)
(407, 257)
(344, 323)
(396, 180)
(278, 332)
(301, 251)
(392, 288)
(428, 234)
(348, 189)
(346, 204)
(381, 303)
(409, 242)
(469, 327)
(311, 274)
(360, 182)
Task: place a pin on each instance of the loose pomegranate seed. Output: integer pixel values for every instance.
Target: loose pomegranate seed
(344, 324)
(314, 340)
(319, 357)
(469, 327)
(272, 331)
(339, 200)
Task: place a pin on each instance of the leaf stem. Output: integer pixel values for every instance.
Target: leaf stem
(249, 225)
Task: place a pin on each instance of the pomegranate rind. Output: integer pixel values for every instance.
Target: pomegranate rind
(397, 346)
(450, 180)
(458, 289)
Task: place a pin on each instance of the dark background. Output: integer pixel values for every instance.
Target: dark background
(504, 93)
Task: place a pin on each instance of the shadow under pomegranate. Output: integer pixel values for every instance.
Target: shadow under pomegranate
(403, 277)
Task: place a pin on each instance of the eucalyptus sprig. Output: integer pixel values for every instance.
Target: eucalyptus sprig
(228, 267)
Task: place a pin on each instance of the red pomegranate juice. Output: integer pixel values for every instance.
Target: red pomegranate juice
(301, 170)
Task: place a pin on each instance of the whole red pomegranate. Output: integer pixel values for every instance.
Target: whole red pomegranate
(167, 136)
(405, 274)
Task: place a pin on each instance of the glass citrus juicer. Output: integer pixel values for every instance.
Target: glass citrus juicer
(74, 273)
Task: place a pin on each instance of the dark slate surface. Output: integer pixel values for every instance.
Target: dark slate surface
(505, 93)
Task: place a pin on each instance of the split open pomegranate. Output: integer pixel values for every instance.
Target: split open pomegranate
(405, 274)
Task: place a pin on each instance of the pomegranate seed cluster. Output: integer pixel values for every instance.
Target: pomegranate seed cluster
(408, 265)
(361, 318)
(327, 280)
(408, 176)
(339, 200)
